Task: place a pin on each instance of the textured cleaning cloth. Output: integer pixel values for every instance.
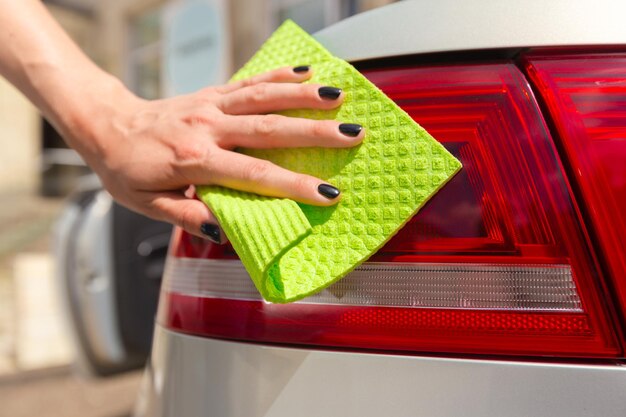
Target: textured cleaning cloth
(292, 250)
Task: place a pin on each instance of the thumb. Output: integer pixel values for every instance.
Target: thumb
(190, 214)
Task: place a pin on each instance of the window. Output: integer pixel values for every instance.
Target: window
(311, 15)
(145, 54)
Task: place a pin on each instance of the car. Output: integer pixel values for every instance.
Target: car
(109, 264)
(504, 296)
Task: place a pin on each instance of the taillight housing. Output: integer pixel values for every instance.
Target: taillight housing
(497, 262)
(585, 95)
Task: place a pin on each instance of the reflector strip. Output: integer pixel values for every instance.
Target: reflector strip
(466, 286)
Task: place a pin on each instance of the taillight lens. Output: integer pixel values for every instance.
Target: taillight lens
(496, 262)
(586, 98)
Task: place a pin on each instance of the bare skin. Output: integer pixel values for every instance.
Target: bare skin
(148, 153)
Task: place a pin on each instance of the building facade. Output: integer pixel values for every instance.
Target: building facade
(150, 45)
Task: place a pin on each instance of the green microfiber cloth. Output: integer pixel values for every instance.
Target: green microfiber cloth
(293, 250)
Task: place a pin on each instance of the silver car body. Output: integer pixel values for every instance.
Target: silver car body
(85, 277)
(192, 376)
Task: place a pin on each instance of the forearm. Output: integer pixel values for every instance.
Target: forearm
(39, 58)
(147, 153)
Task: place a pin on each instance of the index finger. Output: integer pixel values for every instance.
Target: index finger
(245, 173)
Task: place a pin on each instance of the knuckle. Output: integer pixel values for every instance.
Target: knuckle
(188, 151)
(203, 114)
(247, 82)
(268, 125)
(257, 171)
(207, 94)
(155, 210)
(224, 89)
(259, 92)
(198, 120)
(185, 218)
(318, 129)
(301, 183)
(203, 101)
(279, 74)
(191, 152)
(311, 91)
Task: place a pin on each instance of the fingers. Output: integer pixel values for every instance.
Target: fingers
(191, 215)
(241, 102)
(281, 75)
(274, 131)
(271, 97)
(245, 173)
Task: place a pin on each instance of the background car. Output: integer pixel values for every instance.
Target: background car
(504, 296)
(109, 265)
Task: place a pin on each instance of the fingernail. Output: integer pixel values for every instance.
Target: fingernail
(329, 93)
(212, 232)
(350, 129)
(302, 68)
(328, 191)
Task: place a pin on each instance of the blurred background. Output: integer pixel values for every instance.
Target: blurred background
(79, 275)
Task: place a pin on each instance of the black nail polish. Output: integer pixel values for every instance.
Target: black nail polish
(350, 129)
(302, 68)
(328, 191)
(212, 232)
(329, 93)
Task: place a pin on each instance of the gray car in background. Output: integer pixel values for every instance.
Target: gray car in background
(504, 296)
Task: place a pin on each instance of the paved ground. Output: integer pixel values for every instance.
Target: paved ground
(41, 337)
(58, 393)
(35, 379)
(25, 223)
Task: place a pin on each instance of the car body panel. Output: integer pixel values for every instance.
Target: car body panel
(192, 376)
(425, 26)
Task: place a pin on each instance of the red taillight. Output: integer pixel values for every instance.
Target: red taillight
(586, 98)
(496, 262)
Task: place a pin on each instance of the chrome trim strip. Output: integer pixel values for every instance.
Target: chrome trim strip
(425, 285)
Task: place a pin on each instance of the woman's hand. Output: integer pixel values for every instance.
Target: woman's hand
(150, 152)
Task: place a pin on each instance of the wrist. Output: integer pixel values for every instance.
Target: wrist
(97, 117)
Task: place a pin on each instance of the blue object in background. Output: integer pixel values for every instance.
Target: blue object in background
(194, 46)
